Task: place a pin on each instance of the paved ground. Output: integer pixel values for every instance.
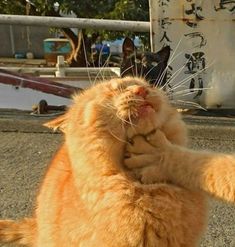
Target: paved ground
(26, 148)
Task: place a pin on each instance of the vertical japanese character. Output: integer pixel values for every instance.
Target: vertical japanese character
(196, 12)
(165, 37)
(225, 4)
(195, 64)
(165, 23)
(199, 35)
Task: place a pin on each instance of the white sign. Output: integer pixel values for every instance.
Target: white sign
(202, 37)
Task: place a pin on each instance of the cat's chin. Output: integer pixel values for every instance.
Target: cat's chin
(145, 123)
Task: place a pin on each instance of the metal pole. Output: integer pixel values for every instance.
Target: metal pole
(154, 25)
(12, 40)
(115, 25)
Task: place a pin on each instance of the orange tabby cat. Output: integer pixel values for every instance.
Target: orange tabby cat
(88, 198)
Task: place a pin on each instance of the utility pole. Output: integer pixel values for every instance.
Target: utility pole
(154, 12)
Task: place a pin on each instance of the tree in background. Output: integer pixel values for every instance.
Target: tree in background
(81, 42)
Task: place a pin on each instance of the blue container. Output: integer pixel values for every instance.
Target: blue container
(19, 55)
(54, 46)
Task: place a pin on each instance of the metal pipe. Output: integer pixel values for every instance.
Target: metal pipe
(115, 25)
(114, 70)
(154, 25)
(12, 40)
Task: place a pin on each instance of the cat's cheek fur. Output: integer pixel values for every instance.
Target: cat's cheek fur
(142, 126)
(175, 129)
(89, 115)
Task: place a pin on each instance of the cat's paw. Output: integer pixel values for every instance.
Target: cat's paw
(158, 140)
(139, 160)
(139, 145)
(151, 175)
(142, 151)
(139, 153)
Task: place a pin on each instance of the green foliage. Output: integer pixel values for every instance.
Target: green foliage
(112, 9)
(12, 7)
(137, 10)
(108, 9)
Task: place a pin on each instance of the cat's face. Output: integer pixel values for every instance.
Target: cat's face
(149, 65)
(118, 106)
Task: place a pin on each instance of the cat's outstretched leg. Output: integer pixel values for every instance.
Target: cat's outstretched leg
(161, 160)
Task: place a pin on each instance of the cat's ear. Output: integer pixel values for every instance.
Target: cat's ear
(57, 123)
(128, 47)
(163, 55)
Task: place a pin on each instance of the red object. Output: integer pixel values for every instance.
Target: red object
(38, 84)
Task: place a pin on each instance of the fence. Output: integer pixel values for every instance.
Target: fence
(114, 25)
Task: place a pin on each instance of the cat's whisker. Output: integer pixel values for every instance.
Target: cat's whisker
(137, 100)
(136, 67)
(97, 77)
(162, 75)
(129, 116)
(103, 66)
(145, 76)
(87, 63)
(168, 65)
(118, 92)
(176, 73)
(120, 89)
(171, 59)
(196, 94)
(191, 103)
(190, 91)
(141, 70)
(182, 82)
(124, 71)
(119, 139)
(100, 56)
(108, 106)
(101, 73)
(177, 85)
(130, 67)
(123, 120)
(106, 63)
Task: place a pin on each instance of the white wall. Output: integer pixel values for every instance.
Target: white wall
(213, 36)
(25, 98)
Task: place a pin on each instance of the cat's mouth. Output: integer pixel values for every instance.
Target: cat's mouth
(131, 110)
(144, 110)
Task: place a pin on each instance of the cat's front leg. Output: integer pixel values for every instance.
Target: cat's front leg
(205, 170)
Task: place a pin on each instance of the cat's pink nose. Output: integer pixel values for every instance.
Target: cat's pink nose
(141, 91)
